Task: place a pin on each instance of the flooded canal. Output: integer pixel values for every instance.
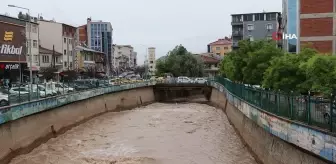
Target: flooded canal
(155, 134)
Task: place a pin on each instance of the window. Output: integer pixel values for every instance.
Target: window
(259, 17)
(34, 28)
(36, 58)
(151, 67)
(225, 48)
(45, 59)
(269, 26)
(217, 53)
(65, 52)
(65, 64)
(248, 17)
(69, 41)
(236, 18)
(65, 40)
(217, 48)
(250, 27)
(151, 62)
(35, 43)
(70, 64)
(271, 16)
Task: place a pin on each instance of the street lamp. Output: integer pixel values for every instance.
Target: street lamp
(29, 41)
(146, 60)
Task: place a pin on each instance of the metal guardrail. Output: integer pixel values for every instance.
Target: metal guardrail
(31, 106)
(313, 111)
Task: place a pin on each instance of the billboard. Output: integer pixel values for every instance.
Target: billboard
(12, 43)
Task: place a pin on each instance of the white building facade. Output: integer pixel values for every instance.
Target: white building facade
(32, 37)
(123, 56)
(61, 38)
(151, 60)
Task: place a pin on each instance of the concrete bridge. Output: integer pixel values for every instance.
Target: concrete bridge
(269, 139)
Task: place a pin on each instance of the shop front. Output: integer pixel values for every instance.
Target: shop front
(13, 63)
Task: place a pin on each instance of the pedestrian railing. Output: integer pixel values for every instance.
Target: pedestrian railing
(308, 109)
(29, 99)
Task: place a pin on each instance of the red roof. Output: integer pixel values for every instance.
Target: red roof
(208, 59)
(224, 41)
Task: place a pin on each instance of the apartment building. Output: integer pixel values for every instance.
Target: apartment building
(50, 58)
(315, 23)
(123, 56)
(253, 26)
(20, 35)
(133, 61)
(220, 47)
(60, 37)
(99, 38)
(151, 60)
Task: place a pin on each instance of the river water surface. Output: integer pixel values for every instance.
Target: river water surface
(155, 134)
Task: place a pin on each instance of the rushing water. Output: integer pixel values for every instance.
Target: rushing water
(155, 134)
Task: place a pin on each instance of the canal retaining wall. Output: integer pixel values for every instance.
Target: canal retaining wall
(21, 135)
(272, 139)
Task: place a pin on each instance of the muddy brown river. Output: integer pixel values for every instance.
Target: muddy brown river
(155, 134)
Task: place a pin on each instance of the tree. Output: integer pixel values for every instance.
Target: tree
(180, 62)
(234, 63)
(21, 16)
(69, 75)
(258, 61)
(48, 73)
(320, 73)
(284, 73)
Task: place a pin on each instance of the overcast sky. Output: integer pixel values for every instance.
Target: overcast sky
(143, 23)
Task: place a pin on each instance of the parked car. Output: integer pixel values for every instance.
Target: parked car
(184, 79)
(62, 88)
(200, 80)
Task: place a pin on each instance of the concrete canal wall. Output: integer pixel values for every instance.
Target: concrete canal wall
(28, 125)
(272, 139)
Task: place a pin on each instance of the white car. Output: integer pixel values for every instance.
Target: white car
(184, 79)
(4, 99)
(200, 80)
(62, 88)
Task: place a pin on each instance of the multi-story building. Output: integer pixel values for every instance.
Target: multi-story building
(99, 38)
(60, 37)
(316, 23)
(50, 58)
(220, 47)
(21, 33)
(133, 61)
(151, 60)
(211, 63)
(89, 59)
(123, 57)
(290, 25)
(253, 26)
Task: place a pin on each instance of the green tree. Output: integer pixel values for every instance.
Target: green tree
(180, 62)
(233, 65)
(320, 73)
(48, 73)
(284, 73)
(259, 59)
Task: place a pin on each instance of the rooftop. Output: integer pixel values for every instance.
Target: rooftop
(223, 41)
(53, 21)
(10, 17)
(87, 49)
(43, 50)
(254, 13)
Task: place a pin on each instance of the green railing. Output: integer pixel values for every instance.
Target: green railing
(311, 110)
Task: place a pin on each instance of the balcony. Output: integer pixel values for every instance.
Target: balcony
(237, 33)
(235, 44)
(237, 23)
